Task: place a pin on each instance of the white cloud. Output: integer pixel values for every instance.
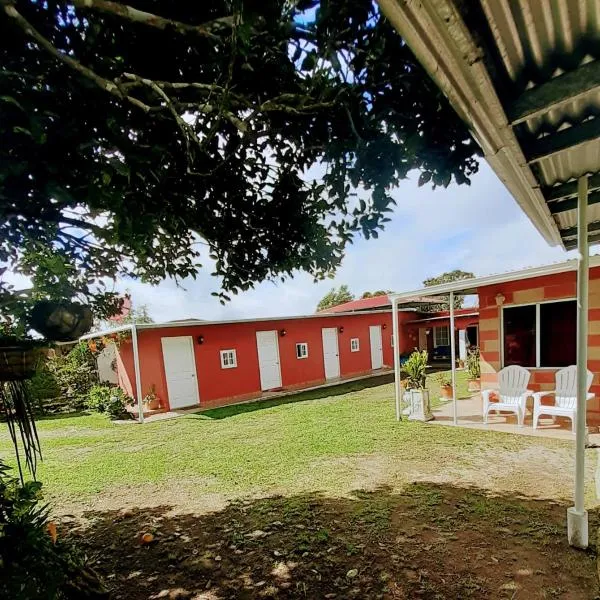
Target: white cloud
(478, 228)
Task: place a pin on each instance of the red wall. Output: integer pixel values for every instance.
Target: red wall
(219, 386)
(537, 289)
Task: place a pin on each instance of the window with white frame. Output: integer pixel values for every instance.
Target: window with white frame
(354, 345)
(441, 336)
(228, 359)
(540, 335)
(302, 350)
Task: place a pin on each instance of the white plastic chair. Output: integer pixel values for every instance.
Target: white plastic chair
(512, 392)
(565, 397)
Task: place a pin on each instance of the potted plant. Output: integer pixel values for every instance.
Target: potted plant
(445, 384)
(474, 370)
(151, 400)
(415, 369)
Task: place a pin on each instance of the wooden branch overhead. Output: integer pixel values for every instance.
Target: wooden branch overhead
(141, 17)
(41, 41)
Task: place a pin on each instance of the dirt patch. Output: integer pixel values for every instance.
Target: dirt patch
(431, 541)
(190, 495)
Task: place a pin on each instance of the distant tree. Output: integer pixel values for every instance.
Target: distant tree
(447, 277)
(376, 293)
(132, 132)
(132, 315)
(335, 297)
(137, 315)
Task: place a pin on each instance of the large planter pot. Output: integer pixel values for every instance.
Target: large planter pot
(153, 404)
(474, 385)
(446, 392)
(420, 406)
(17, 362)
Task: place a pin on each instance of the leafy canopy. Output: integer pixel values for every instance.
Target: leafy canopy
(447, 277)
(376, 293)
(335, 297)
(146, 140)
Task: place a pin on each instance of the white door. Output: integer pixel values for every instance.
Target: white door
(331, 354)
(180, 371)
(376, 347)
(422, 338)
(267, 344)
(105, 361)
(462, 344)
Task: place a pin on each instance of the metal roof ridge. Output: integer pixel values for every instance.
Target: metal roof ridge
(465, 285)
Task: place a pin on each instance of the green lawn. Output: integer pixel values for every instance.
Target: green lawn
(317, 495)
(329, 440)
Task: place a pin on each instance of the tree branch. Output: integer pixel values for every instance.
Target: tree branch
(145, 18)
(104, 84)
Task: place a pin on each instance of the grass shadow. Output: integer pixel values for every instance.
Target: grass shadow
(65, 415)
(429, 541)
(224, 412)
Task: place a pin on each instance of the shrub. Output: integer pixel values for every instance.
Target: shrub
(443, 379)
(43, 386)
(111, 401)
(35, 564)
(473, 364)
(415, 368)
(75, 374)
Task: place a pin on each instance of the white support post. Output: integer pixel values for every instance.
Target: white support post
(396, 350)
(138, 377)
(577, 516)
(453, 360)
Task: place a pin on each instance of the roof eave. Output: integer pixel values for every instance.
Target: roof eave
(439, 38)
(471, 286)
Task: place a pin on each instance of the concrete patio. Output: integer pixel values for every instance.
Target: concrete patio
(470, 415)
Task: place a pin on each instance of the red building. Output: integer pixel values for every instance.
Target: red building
(206, 363)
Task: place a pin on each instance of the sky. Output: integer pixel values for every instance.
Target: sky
(476, 228)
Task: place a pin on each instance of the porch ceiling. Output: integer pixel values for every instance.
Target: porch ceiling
(525, 77)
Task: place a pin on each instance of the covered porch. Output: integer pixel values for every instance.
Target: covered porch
(525, 78)
(470, 412)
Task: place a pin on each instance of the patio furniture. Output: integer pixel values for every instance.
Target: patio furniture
(512, 393)
(565, 397)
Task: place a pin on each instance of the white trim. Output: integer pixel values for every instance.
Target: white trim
(446, 317)
(440, 327)
(538, 331)
(538, 335)
(258, 321)
(446, 47)
(397, 370)
(354, 347)
(231, 358)
(137, 372)
(470, 286)
(304, 347)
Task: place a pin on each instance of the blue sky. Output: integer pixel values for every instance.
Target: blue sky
(478, 228)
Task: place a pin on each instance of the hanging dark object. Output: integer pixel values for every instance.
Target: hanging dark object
(15, 408)
(61, 321)
(17, 360)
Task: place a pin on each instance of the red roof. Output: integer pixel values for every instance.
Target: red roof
(362, 304)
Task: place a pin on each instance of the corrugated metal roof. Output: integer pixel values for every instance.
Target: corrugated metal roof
(525, 76)
(538, 40)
